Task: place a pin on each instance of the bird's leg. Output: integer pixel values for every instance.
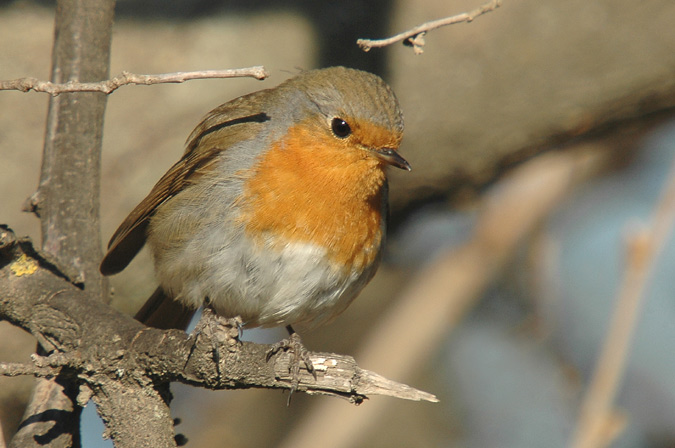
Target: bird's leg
(293, 345)
(219, 330)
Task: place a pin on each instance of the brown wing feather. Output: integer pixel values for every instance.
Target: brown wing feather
(221, 128)
(129, 238)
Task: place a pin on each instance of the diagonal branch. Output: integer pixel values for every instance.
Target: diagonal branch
(126, 78)
(415, 37)
(598, 422)
(122, 350)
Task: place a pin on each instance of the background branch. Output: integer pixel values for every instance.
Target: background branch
(598, 423)
(126, 78)
(415, 36)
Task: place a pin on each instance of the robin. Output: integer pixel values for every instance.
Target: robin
(277, 210)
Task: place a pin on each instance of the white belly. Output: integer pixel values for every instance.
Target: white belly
(266, 286)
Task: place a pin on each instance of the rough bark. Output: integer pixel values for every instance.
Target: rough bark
(126, 367)
(67, 199)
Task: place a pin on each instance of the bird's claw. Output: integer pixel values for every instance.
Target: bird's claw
(299, 354)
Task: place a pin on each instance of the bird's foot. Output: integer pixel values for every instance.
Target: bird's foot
(221, 331)
(299, 354)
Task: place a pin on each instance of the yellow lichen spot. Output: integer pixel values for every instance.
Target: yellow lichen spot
(24, 266)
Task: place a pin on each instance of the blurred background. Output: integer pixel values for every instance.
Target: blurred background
(541, 138)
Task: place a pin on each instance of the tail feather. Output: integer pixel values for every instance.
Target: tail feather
(163, 312)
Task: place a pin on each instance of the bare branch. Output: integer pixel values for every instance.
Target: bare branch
(123, 350)
(598, 422)
(67, 198)
(109, 86)
(415, 37)
(17, 369)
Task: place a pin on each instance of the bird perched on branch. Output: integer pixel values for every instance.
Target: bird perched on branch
(277, 210)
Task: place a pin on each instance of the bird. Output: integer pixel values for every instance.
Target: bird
(277, 210)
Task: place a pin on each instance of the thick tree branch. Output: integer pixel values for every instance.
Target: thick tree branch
(126, 78)
(67, 199)
(415, 36)
(118, 358)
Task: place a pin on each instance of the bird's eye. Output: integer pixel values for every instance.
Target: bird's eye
(340, 128)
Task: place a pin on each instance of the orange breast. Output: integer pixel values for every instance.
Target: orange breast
(310, 187)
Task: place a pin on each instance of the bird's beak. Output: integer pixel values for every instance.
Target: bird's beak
(391, 157)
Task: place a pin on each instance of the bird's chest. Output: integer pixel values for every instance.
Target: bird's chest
(292, 197)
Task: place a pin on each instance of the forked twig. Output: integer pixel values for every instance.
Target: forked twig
(415, 37)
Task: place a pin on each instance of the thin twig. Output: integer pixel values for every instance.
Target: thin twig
(19, 369)
(415, 37)
(110, 85)
(598, 423)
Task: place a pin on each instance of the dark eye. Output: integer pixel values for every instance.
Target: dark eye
(340, 128)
